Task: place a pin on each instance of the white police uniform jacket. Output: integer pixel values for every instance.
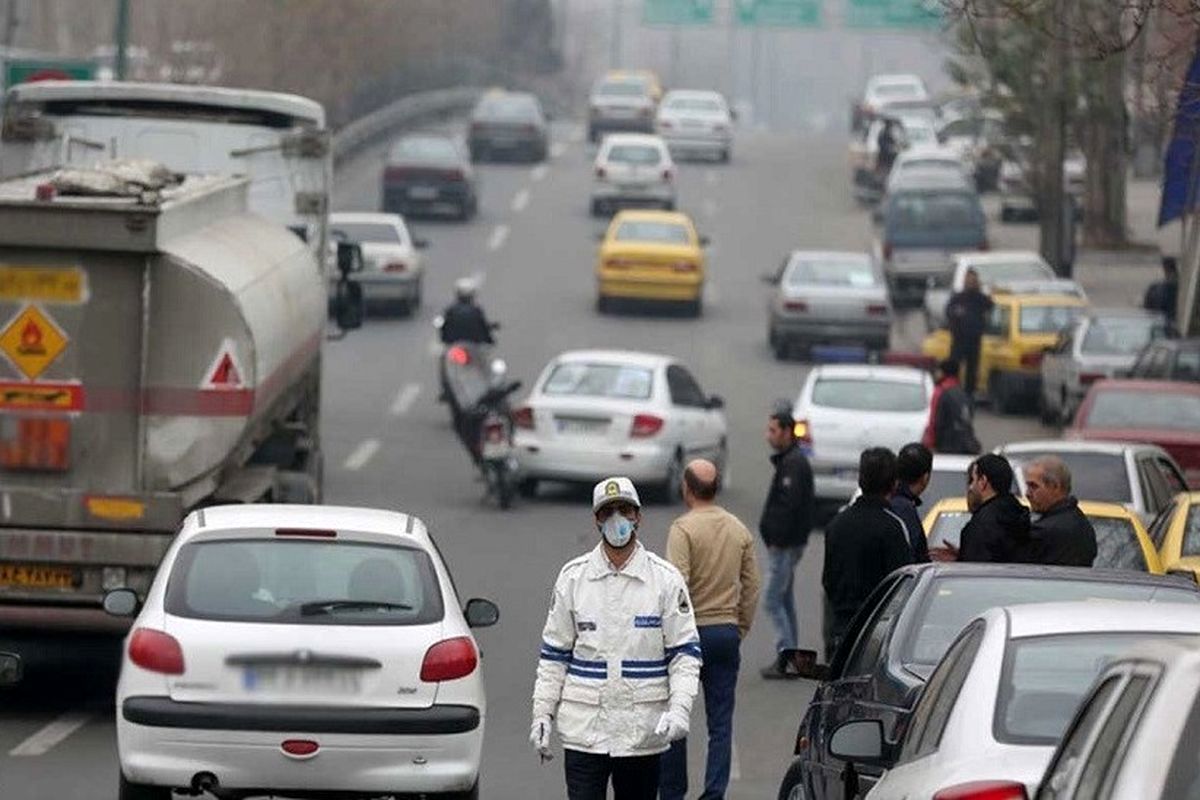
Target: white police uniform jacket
(619, 648)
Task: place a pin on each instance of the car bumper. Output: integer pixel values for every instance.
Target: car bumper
(507, 144)
(601, 125)
(873, 332)
(697, 142)
(652, 194)
(398, 287)
(588, 460)
(835, 481)
(401, 196)
(169, 753)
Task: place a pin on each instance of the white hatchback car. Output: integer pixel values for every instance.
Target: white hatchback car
(845, 408)
(696, 122)
(594, 413)
(393, 267)
(300, 649)
(633, 170)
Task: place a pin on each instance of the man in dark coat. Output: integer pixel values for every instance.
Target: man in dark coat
(463, 320)
(1162, 295)
(966, 315)
(914, 467)
(951, 425)
(1062, 534)
(998, 531)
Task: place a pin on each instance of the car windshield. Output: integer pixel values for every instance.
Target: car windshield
(615, 381)
(507, 108)
(1117, 544)
(1124, 336)
(294, 581)
(1129, 408)
(999, 272)
(866, 394)
(898, 91)
(935, 164)
(919, 132)
(1045, 677)
(1047, 319)
(639, 154)
(622, 89)
(1094, 476)
(705, 104)
(650, 231)
(366, 232)
(934, 210)
(852, 272)
(425, 149)
(953, 601)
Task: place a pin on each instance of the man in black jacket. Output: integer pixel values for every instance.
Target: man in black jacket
(914, 467)
(863, 544)
(966, 316)
(1062, 535)
(786, 520)
(998, 531)
(463, 320)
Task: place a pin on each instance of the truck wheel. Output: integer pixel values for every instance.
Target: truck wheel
(127, 790)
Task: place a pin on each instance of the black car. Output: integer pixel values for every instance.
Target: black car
(1169, 360)
(508, 124)
(901, 633)
(429, 173)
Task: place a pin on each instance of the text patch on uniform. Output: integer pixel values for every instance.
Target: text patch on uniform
(647, 622)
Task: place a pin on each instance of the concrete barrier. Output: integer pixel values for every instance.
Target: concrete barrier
(409, 110)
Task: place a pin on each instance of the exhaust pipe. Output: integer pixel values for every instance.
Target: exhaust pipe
(205, 783)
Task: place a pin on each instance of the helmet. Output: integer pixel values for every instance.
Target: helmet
(464, 288)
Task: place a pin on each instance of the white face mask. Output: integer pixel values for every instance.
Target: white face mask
(617, 530)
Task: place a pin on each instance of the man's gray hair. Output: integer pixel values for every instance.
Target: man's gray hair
(1055, 471)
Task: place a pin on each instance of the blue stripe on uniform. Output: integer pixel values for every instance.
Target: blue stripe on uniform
(645, 673)
(660, 662)
(579, 662)
(587, 673)
(552, 656)
(687, 649)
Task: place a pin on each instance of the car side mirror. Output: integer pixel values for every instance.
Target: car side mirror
(121, 603)
(11, 669)
(481, 613)
(770, 278)
(350, 307)
(421, 244)
(349, 257)
(714, 402)
(705, 241)
(599, 237)
(733, 114)
(860, 741)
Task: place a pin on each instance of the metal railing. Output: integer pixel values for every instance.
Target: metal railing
(407, 111)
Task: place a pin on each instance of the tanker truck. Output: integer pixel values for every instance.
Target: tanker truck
(160, 351)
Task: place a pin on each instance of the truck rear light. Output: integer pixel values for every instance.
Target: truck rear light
(395, 266)
(802, 431)
(617, 263)
(454, 175)
(601, 174)
(1031, 360)
(877, 309)
(523, 418)
(156, 651)
(449, 660)
(306, 533)
(796, 305)
(458, 355)
(645, 425)
(984, 790)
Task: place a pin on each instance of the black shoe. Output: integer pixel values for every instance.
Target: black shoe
(779, 669)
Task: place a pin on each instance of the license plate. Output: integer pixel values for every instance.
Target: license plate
(423, 193)
(33, 577)
(301, 680)
(504, 143)
(582, 427)
(631, 187)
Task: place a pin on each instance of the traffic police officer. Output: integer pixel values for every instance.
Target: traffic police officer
(620, 658)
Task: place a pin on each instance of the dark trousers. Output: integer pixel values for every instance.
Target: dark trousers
(720, 646)
(633, 777)
(966, 353)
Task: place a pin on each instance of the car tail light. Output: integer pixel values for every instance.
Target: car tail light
(396, 173)
(985, 245)
(803, 431)
(395, 266)
(1031, 360)
(887, 250)
(667, 175)
(666, 124)
(1091, 377)
(645, 111)
(796, 305)
(984, 790)
(493, 432)
(684, 266)
(300, 748)
(877, 309)
(523, 418)
(458, 355)
(645, 425)
(449, 660)
(601, 173)
(156, 651)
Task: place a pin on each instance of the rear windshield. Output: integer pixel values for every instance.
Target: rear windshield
(953, 601)
(635, 154)
(1094, 476)
(935, 211)
(1124, 408)
(425, 149)
(600, 380)
(314, 582)
(856, 272)
(514, 108)
(366, 232)
(694, 104)
(1117, 544)
(1124, 336)
(623, 89)
(896, 91)
(1005, 271)
(1048, 319)
(647, 231)
(864, 394)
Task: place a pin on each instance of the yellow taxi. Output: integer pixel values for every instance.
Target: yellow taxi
(1021, 327)
(1176, 533)
(648, 75)
(1121, 540)
(651, 255)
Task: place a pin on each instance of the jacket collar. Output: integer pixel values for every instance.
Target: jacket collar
(907, 494)
(871, 501)
(1067, 503)
(782, 454)
(637, 566)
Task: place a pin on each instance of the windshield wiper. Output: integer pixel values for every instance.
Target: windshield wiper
(330, 606)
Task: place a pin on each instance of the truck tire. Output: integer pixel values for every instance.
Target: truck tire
(127, 790)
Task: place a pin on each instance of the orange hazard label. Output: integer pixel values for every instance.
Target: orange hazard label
(32, 341)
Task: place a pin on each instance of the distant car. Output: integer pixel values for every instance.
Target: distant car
(1103, 343)
(1004, 694)
(884, 89)
(651, 255)
(1121, 537)
(650, 76)
(393, 270)
(621, 102)
(696, 122)
(1135, 733)
(594, 413)
(1176, 535)
(923, 157)
(275, 634)
(429, 173)
(508, 123)
(979, 140)
(633, 170)
(903, 630)
(994, 268)
(844, 408)
(911, 132)
(1141, 477)
(1168, 360)
(1165, 413)
(827, 297)
(1016, 191)
(947, 480)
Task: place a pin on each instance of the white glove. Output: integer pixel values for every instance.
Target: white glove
(672, 726)
(539, 735)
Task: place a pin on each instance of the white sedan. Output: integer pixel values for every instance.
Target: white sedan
(594, 413)
(845, 408)
(633, 170)
(696, 122)
(393, 267)
(295, 649)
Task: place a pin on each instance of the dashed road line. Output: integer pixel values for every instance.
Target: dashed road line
(44, 740)
(498, 238)
(520, 201)
(405, 399)
(538, 173)
(362, 455)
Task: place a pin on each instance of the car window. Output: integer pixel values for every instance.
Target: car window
(1191, 533)
(1094, 476)
(580, 379)
(1117, 544)
(684, 389)
(1061, 773)
(865, 394)
(998, 321)
(948, 526)
(366, 232)
(1122, 721)
(926, 210)
(706, 104)
(1183, 778)
(638, 154)
(508, 108)
(625, 88)
(961, 128)
(992, 272)
(939, 696)
(1152, 363)
(869, 648)
(425, 149)
(1047, 319)
(304, 582)
(1124, 336)
(1171, 476)
(1129, 408)
(650, 231)
(1154, 490)
(1187, 365)
(898, 91)
(853, 272)
(1158, 529)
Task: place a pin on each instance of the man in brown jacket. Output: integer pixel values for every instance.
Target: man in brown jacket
(715, 553)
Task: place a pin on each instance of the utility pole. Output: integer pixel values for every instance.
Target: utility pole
(1050, 213)
(121, 39)
(614, 54)
(10, 25)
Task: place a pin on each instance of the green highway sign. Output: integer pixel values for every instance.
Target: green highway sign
(893, 14)
(28, 70)
(677, 12)
(779, 13)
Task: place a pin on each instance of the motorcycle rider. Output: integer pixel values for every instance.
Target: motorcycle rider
(463, 320)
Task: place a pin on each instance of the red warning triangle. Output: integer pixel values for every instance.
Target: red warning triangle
(225, 375)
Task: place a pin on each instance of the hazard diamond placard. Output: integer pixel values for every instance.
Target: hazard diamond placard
(32, 341)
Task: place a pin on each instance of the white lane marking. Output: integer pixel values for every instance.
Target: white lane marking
(520, 201)
(558, 149)
(538, 173)
(710, 208)
(498, 238)
(735, 763)
(404, 400)
(362, 454)
(52, 734)
(710, 177)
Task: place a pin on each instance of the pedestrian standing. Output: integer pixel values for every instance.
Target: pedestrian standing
(914, 468)
(998, 531)
(620, 658)
(1162, 295)
(1061, 534)
(715, 554)
(951, 426)
(966, 315)
(785, 523)
(863, 544)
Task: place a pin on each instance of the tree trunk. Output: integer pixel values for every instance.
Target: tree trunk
(1105, 133)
